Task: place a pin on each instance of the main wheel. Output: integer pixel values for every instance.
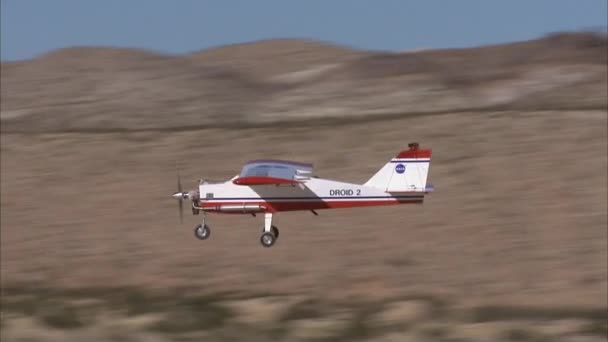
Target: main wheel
(267, 239)
(202, 232)
(275, 231)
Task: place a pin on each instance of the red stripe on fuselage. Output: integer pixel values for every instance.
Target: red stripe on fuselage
(275, 206)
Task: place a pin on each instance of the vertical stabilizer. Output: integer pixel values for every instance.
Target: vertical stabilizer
(407, 172)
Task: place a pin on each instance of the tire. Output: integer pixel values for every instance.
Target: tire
(275, 231)
(202, 232)
(267, 239)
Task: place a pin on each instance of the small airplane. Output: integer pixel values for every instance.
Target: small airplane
(272, 186)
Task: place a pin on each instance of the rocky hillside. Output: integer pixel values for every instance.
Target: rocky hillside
(111, 89)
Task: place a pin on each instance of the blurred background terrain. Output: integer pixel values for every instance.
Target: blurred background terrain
(287, 81)
(513, 245)
(97, 119)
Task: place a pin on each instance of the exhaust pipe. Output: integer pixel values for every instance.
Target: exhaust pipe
(234, 208)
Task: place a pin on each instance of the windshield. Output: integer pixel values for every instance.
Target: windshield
(268, 170)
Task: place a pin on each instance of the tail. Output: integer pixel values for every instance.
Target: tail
(407, 172)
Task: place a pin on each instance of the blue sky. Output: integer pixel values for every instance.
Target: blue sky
(32, 27)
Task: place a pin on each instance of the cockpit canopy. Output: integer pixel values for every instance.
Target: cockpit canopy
(281, 169)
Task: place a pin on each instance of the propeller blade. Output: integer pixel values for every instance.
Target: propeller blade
(180, 198)
(179, 183)
(181, 211)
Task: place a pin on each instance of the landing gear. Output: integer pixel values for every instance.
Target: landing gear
(202, 231)
(267, 239)
(270, 233)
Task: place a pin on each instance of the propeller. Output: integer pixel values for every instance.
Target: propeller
(181, 202)
(180, 196)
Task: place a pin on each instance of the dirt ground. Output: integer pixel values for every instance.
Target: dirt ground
(518, 216)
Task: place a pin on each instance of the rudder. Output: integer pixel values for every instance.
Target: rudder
(407, 172)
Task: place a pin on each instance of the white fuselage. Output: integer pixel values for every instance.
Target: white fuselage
(313, 193)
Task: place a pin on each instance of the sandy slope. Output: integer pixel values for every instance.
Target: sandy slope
(519, 215)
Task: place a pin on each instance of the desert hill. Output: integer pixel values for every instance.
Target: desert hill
(268, 58)
(284, 80)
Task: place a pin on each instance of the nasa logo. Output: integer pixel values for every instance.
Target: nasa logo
(400, 168)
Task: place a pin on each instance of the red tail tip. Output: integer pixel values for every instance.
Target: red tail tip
(414, 151)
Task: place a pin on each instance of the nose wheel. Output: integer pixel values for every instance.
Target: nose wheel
(202, 231)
